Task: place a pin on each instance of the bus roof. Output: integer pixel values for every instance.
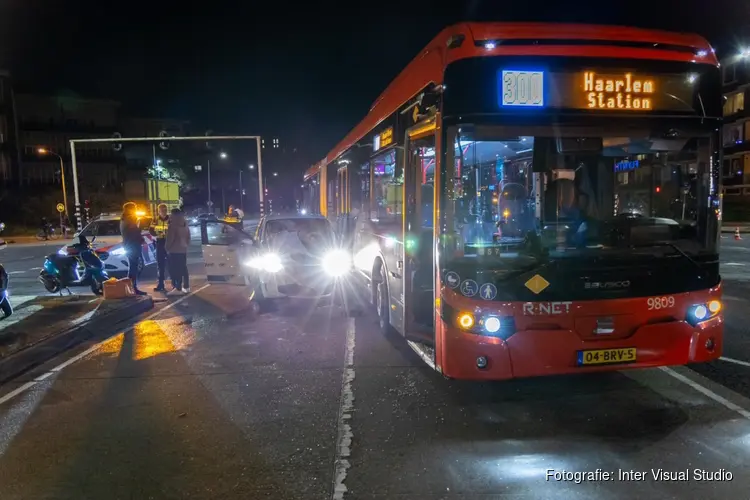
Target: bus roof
(560, 40)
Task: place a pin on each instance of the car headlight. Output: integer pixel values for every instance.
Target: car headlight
(269, 262)
(118, 251)
(337, 263)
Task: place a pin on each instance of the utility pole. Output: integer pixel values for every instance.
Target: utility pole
(242, 198)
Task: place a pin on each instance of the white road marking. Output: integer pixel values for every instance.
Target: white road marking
(87, 316)
(344, 438)
(19, 314)
(79, 356)
(17, 300)
(17, 272)
(707, 392)
(734, 264)
(35, 269)
(735, 361)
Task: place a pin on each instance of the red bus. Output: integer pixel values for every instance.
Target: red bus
(538, 199)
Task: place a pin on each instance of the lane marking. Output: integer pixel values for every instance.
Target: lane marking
(344, 436)
(17, 272)
(35, 269)
(735, 361)
(77, 357)
(734, 264)
(707, 392)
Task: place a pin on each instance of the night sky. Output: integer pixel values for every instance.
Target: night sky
(307, 71)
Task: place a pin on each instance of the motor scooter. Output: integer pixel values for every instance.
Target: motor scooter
(5, 305)
(77, 264)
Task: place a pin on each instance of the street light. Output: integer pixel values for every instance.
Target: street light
(223, 156)
(251, 166)
(45, 151)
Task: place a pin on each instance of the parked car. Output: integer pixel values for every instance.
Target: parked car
(108, 244)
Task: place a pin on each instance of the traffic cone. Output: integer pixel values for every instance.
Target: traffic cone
(737, 234)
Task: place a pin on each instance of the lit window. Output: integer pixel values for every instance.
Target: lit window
(734, 103)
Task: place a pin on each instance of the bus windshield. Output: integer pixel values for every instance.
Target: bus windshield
(558, 195)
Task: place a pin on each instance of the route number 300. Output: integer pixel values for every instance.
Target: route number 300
(523, 88)
(660, 303)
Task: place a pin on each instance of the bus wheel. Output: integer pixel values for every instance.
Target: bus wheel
(380, 294)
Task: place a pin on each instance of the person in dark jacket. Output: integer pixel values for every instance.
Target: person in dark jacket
(159, 229)
(132, 242)
(178, 241)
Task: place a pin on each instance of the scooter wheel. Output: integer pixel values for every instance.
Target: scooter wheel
(51, 286)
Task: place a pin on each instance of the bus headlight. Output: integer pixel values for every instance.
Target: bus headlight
(337, 263)
(269, 262)
(699, 313)
(492, 324)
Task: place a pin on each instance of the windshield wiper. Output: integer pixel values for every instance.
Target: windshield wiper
(677, 249)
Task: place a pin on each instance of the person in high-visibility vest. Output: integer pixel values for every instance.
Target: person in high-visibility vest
(159, 227)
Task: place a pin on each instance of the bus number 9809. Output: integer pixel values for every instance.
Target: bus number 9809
(655, 303)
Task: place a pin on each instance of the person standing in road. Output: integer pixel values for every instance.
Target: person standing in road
(177, 243)
(159, 227)
(132, 242)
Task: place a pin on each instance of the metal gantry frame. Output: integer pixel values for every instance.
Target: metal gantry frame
(73, 143)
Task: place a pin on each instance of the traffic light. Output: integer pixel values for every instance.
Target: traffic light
(86, 203)
(658, 189)
(117, 146)
(164, 144)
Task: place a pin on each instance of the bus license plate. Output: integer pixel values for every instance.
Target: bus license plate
(606, 356)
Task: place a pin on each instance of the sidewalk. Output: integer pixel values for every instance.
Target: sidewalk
(42, 327)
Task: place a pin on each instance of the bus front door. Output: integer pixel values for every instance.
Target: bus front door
(419, 289)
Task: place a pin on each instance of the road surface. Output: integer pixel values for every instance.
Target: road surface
(199, 402)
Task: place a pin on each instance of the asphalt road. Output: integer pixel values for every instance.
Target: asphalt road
(198, 402)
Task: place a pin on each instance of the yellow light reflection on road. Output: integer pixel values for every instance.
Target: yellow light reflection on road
(112, 345)
(151, 340)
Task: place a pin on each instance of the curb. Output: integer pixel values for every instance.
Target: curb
(41, 352)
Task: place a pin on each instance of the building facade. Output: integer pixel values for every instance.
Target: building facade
(9, 164)
(736, 135)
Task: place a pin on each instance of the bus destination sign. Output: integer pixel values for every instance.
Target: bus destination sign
(383, 139)
(621, 92)
(522, 88)
(610, 90)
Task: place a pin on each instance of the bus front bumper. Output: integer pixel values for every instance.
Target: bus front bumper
(533, 353)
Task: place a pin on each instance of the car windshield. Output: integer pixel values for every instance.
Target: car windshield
(522, 196)
(277, 226)
(102, 228)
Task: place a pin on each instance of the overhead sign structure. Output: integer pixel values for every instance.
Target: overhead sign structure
(60, 207)
(74, 164)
